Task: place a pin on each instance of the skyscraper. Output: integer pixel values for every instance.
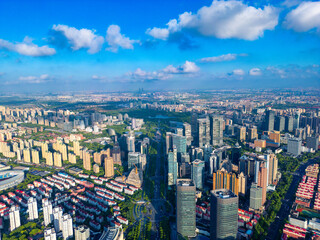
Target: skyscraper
(32, 208)
(273, 168)
(180, 142)
(186, 208)
(82, 233)
(14, 216)
(203, 132)
(47, 211)
(223, 215)
(172, 167)
(279, 123)
(197, 173)
(216, 130)
(289, 124)
(35, 156)
(67, 226)
(187, 133)
(131, 142)
(263, 180)
(57, 159)
(269, 120)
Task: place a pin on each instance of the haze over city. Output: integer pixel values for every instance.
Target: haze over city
(162, 120)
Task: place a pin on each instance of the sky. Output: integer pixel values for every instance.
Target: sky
(124, 45)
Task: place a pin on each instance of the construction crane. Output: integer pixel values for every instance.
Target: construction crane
(136, 168)
(121, 175)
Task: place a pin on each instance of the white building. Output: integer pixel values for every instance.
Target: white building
(67, 227)
(50, 234)
(47, 211)
(82, 233)
(33, 208)
(14, 216)
(57, 219)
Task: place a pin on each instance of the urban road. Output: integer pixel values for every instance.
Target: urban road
(287, 201)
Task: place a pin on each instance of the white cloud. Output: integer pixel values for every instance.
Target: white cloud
(304, 18)
(238, 72)
(35, 79)
(117, 40)
(223, 19)
(255, 72)
(159, 33)
(221, 58)
(27, 48)
(291, 3)
(187, 68)
(83, 38)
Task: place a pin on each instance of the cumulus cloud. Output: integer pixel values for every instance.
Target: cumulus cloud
(238, 72)
(78, 39)
(27, 48)
(304, 18)
(187, 68)
(255, 72)
(117, 40)
(223, 19)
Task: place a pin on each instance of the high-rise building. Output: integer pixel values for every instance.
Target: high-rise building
(296, 120)
(131, 142)
(82, 233)
(14, 216)
(76, 148)
(49, 158)
(35, 156)
(187, 133)
(252, 134)
(57, 160)
(108, 167)
(255, 197)
(97, 158)
(313, 142)
(289, 124)
(57, 219)
(180, 142)
(133, 159)
(273, 168)
(241, 133)
(116, 154)
(216, 130)
(67, 226)
(242, 184)
(168, 142)
(26, 155)
(32, 208)
(203, 132)
(294, 146)
(269, 121)
(223, 215)
(72, 158)
(186, 208)
(86, 160)
(197, 173)
(50, 234)
(47, 211)
(224, 180)
(279, 124)
(263, 181)
(172, 167)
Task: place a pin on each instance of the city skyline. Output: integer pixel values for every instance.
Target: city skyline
(123, 45)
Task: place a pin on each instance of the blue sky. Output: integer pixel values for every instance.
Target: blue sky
(170, 45)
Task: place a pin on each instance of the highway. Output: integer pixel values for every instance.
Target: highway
(287, 201)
